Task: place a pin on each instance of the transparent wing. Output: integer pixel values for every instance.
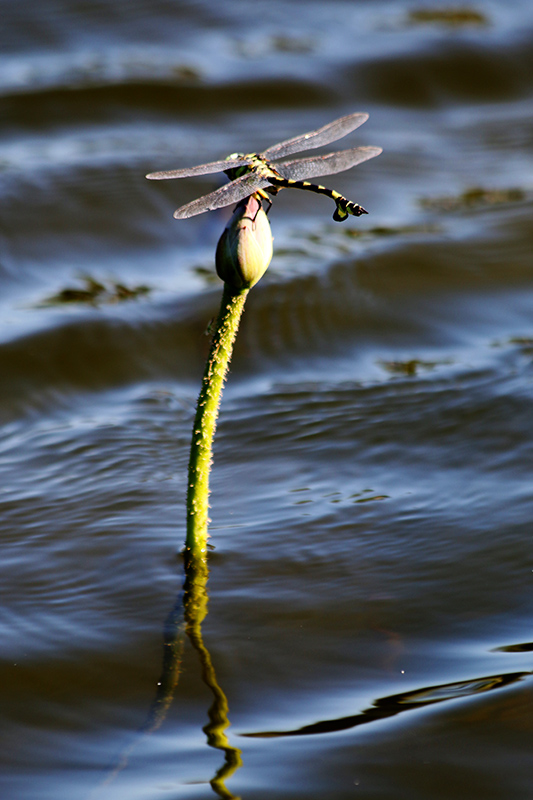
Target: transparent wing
(231, 193)
(201, 169)
(304, 168)
(308, 141)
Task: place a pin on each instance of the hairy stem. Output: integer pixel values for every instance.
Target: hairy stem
(226, 328)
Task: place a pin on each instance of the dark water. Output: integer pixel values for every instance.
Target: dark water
(371, 607)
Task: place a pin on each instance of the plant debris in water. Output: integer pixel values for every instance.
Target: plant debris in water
(207, 274)
(525, 343)
(372, 499)
(274, 44)
(523, 340)
(451, 17)
(384, 231)
(184, 72)
(291, 44)
(95, 293)
(476, 196)
(409, 367)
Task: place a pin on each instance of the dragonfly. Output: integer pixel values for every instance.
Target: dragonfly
(261, 175)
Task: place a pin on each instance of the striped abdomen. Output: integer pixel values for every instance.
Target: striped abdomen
(344, 207)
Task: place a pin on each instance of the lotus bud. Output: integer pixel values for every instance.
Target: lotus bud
(244, 250)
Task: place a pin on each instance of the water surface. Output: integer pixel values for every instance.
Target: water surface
(370, 598)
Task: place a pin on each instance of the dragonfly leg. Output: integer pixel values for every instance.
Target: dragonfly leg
(263, 197)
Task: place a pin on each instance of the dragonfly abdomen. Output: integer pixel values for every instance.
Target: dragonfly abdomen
(344, 207)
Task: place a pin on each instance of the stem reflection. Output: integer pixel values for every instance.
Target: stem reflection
(186, 618)
(195, 607)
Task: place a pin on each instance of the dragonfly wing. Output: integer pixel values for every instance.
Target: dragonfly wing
(201, 169)
(304, 168)
(225, 196)
(308, 141)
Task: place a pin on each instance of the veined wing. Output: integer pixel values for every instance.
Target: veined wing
(201, 169)
(230, 193)
(314, 167)
(308, 141)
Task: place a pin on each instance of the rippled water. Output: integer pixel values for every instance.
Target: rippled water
(372, 497)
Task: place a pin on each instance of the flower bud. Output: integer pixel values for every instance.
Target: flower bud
(244, 250)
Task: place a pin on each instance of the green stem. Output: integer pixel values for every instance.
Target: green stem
(205, 422)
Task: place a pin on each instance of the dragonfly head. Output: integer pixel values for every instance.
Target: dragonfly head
(236, 172)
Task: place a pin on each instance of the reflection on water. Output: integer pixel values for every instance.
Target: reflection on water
(525, 647)
(185, 619)
(195, 602)
(395, 704)
(385, 366)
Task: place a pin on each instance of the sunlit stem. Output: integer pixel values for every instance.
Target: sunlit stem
(205, 422)
(243, 254)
